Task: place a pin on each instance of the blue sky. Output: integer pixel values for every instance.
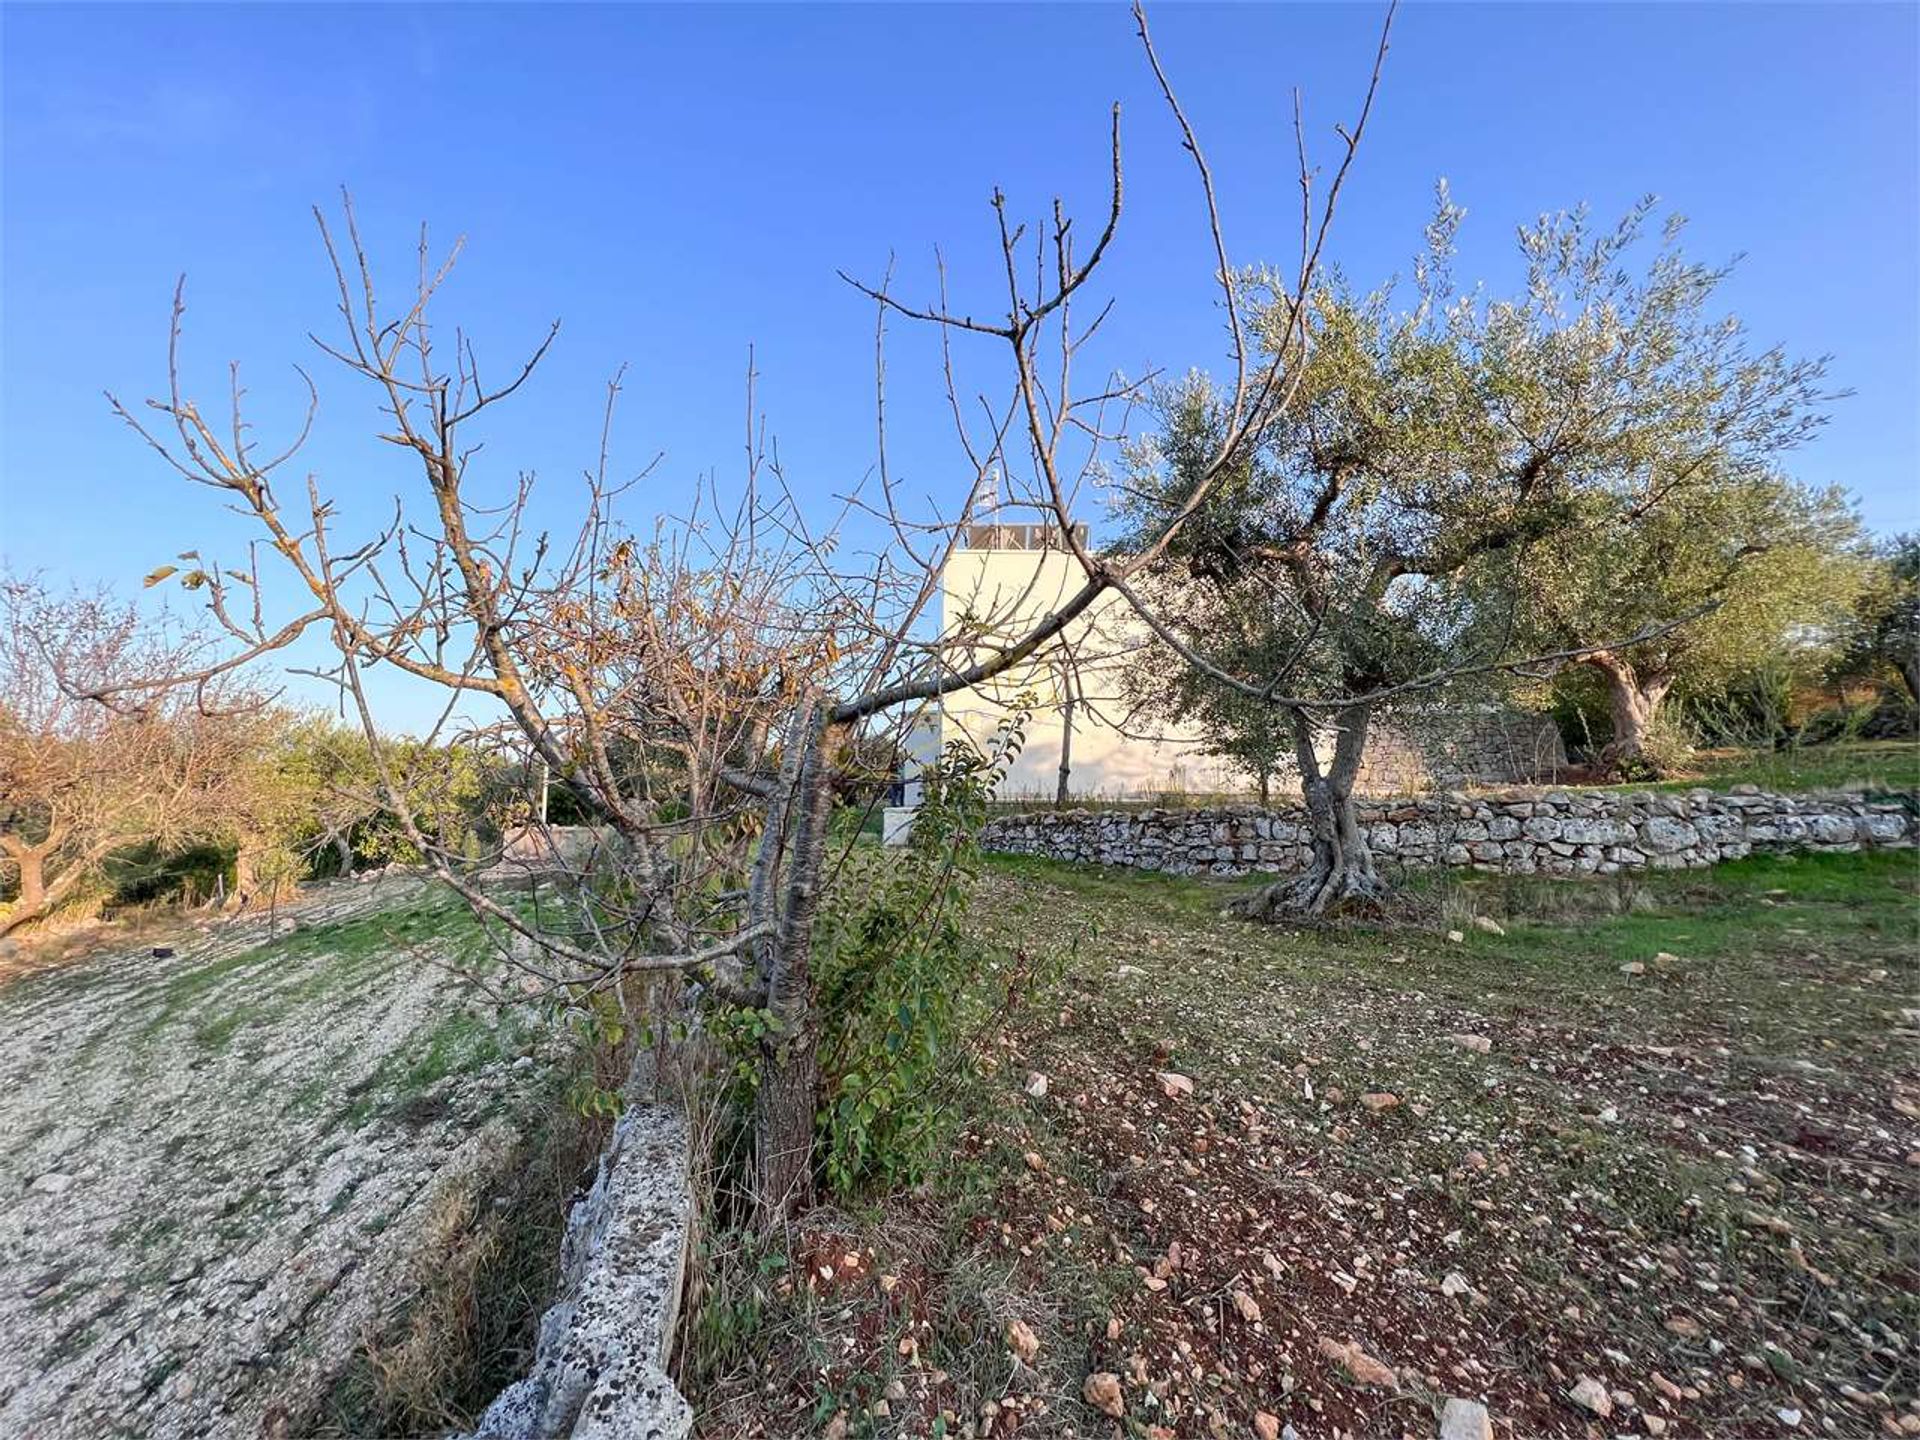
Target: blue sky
(677, 184)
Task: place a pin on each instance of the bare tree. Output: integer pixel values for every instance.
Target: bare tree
(79, 780)
(698, 690)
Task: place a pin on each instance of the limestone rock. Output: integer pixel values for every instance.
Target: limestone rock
(1465, 1420)
(1352, 1358)
(1022, 1341)
(1102, 1392)
(1590, 1395)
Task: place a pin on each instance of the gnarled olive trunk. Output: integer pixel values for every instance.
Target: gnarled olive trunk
(1340, 873)
(1633, 698)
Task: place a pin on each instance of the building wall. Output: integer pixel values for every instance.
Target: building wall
(998, 592)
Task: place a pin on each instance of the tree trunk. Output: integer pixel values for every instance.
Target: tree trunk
(789, 1093)
(1266, 788)
(345, 851)
(1340, 874)
(1634, 700)
(1066, 746)
(244, 880)
(33, 902)
(1909, 668)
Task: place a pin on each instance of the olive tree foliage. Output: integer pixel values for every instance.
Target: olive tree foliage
(1385, 527)
(80, 781)
(1768, 568)
(702, 685)
(1883, 633)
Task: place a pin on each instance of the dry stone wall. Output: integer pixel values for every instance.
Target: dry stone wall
(1554, 832)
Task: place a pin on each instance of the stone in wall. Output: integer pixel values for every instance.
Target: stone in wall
(1553, 832)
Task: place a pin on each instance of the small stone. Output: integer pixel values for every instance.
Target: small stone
(1378, 1100)
(1173, 1084)
(1685, 1326)
(1102, 1392)
(1589, 1394)
(1035, 1161)
(1248, 1307)
(1465, 1420)
(1478, 1044)
(1633, 967)
(836, 1427)
(1455, 936)
(1022, 1341)
(1455, 1284)
(1036, 1086)
(896, 1391)
(1358, 1363)
(1487, 925)
(1655, 1425)
(53, 1183)
(1266, 1426)
(163, 952)
(1789, 1417)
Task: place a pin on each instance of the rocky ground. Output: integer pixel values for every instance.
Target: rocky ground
(222, 1146)
(1562, 1160)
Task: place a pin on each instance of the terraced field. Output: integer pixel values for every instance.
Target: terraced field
(224, 1155)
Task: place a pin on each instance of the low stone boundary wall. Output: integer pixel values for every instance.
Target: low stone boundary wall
(599, 1370)
(1554, 832)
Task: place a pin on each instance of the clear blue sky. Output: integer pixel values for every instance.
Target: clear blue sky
(677, 184)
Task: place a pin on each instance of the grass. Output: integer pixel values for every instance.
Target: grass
(1725, 1139)
(465, 1321)
(1872, 764)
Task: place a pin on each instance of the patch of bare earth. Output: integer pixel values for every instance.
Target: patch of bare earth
(1324, 1183)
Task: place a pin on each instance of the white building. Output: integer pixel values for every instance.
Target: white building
(1001, 579)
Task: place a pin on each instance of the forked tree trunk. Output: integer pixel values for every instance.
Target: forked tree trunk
(32, 903)
(1634, 701)
(344, 850)
(1340, 873)
(789, 1093)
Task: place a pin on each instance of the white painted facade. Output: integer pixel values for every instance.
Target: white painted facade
(995, 588)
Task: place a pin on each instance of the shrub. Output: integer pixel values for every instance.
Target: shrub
(898, 979)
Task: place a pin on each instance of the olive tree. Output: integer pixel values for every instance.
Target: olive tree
(1385, 524)
(1884, 631)
(1762, 565)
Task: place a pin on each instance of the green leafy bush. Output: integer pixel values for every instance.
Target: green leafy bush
(899, 979)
